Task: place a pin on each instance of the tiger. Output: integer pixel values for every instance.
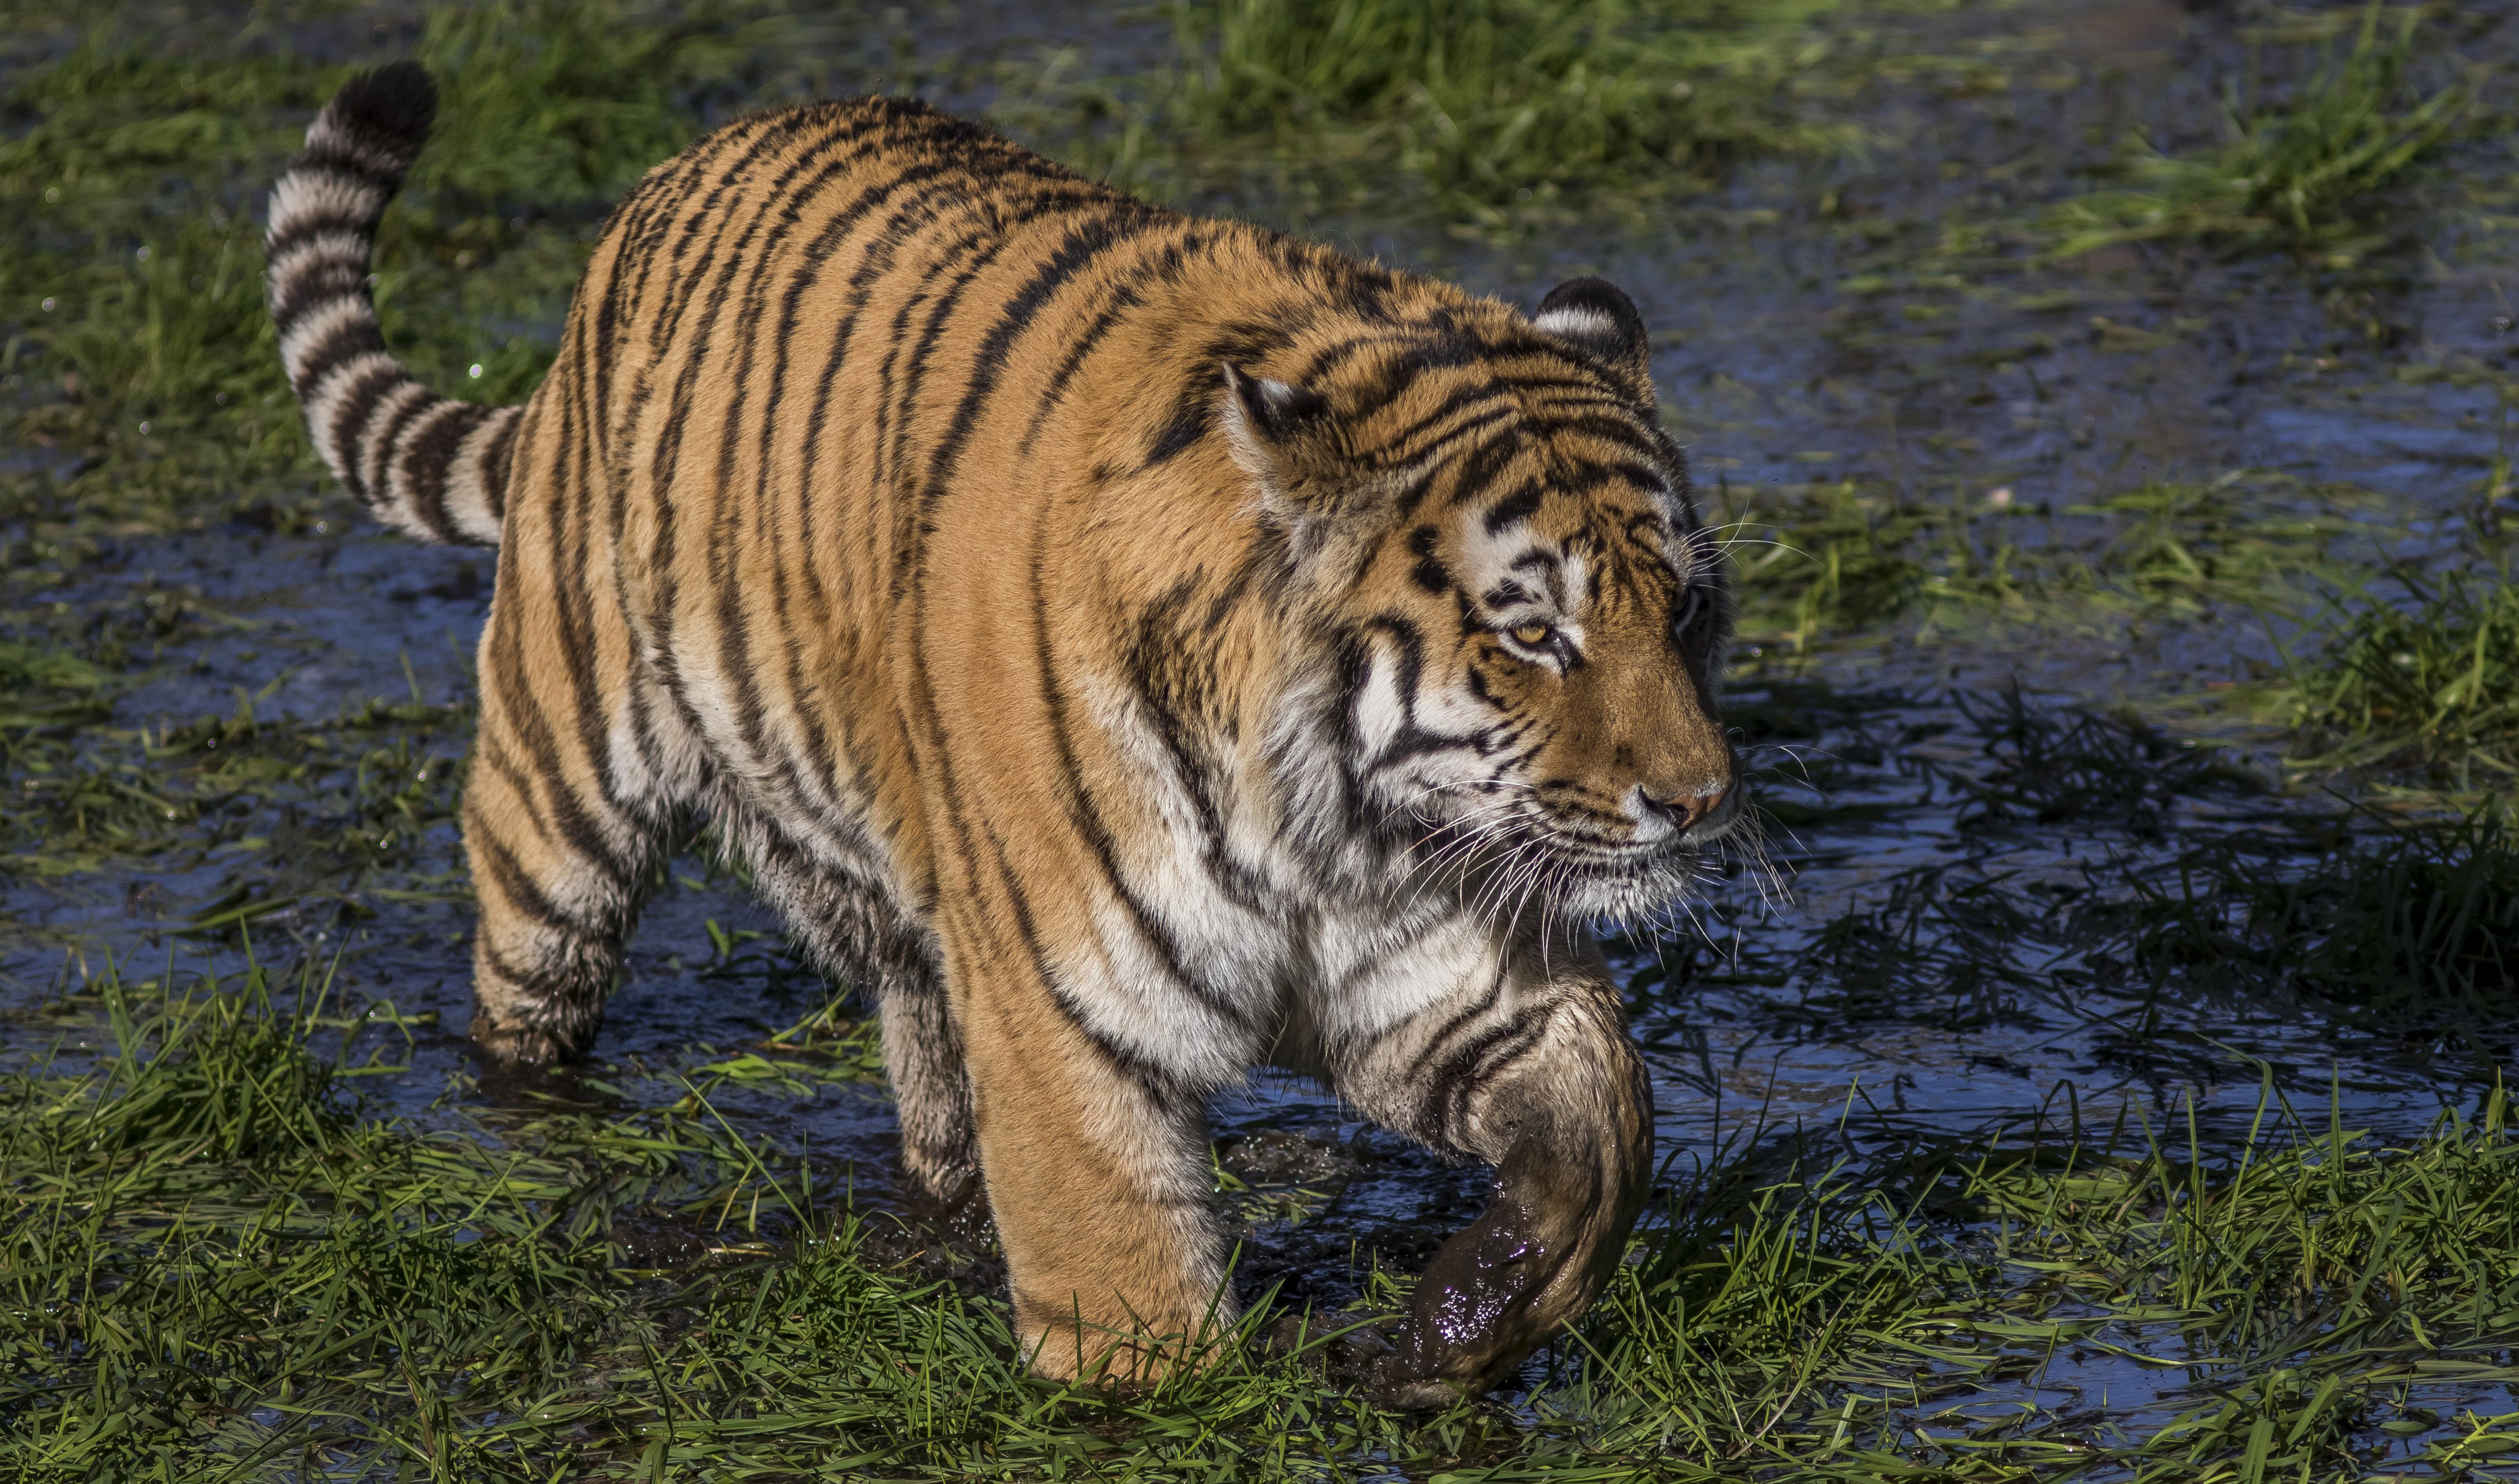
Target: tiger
(1130, 648)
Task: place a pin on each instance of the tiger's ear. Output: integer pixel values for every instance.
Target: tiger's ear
(1596, 316)
(1285, 439)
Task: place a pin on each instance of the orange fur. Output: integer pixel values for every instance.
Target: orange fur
(1130, 646)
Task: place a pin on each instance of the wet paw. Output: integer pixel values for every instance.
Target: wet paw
(1396, 1382)
(520, 1045)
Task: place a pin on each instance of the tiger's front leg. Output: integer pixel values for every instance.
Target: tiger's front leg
(1096, 1175)
(1526, 1065)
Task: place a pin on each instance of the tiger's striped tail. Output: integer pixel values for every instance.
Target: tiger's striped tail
(426, 465)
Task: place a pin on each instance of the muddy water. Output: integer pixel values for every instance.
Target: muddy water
(1780, 365)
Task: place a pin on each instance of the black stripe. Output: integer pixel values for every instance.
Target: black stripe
(1515, 507)
(382, 444)
(1084, 243)
(426, 458)
(1125, 294)
(317, 286)
(524, 894)
(343, 343)
(497, 462)
(350, 415)
(1462, 1075)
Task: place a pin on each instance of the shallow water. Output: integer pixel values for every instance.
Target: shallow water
(2060, 385)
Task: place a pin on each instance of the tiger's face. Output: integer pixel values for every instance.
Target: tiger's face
(1525, 609)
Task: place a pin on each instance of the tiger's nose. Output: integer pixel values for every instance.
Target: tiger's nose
(1688, 809)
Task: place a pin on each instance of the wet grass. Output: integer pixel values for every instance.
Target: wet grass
(2432, 683)
(2411, 930)
(335, 798)
(2208, 894)
(218, 1260)
(2312, 169)
(1830, 560)
(1494, 102)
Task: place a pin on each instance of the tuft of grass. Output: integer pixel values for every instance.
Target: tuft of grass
(2309, 172)
(2433, 683)
(1842, 557)
(1489, 107)
(1755, 1305)
(1499, 100)
(562, 105)
(2307, 1278)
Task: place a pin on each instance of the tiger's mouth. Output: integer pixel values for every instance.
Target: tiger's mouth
(1568, 869)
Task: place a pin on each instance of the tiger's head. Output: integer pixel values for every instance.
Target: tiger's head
(1518, 609)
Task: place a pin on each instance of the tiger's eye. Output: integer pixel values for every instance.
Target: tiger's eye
(1533, 635)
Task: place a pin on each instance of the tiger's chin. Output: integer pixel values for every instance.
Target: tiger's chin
(1627, 894)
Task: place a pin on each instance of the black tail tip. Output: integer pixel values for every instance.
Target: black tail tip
(391, 106)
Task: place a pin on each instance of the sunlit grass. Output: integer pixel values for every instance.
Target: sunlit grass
(1832, 559)
(215, 1258)
(138, 351)
(1491, 101)
(2433, 682)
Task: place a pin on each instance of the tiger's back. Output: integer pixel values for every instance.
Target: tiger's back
(1130, 646)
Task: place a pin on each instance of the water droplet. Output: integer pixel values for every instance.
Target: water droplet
(144, 430)
(476, 371)
(142, 254)
(48, 306)
(51, 194)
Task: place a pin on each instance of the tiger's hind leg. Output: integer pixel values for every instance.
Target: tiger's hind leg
(582, 783)
(848, 924)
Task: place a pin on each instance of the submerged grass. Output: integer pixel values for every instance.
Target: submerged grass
(216, 1262)
(2414, 934)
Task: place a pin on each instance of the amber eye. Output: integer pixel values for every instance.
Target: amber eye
(1533, 635)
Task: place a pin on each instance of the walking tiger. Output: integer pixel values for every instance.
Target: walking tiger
(1130, 646)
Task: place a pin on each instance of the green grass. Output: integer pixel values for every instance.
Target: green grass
(134, 345)
(216, 1263)
(2312, 171)
(1483, 114)
(1834, 559)
(2432, 684)
(329, 798)
(1493, 101)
